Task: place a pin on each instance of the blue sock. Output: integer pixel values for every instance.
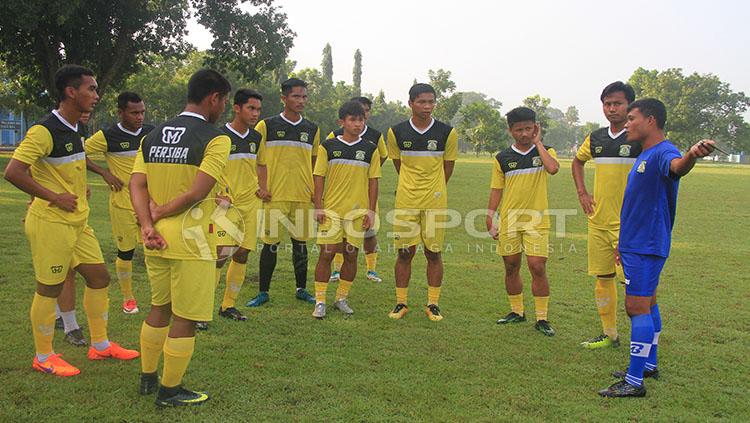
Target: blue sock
(641, 336)
(656, 317)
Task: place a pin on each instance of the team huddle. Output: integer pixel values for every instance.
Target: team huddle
(197, 195)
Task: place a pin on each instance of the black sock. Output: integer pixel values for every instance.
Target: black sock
(299, 258)
(267, 264)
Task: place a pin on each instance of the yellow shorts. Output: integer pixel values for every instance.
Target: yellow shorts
(125, 230)
(293, 216)
(334, 230)
(245, 217)
(412, 227)
(601, 250)
(57, 247)
(188, 284)
(533, 243)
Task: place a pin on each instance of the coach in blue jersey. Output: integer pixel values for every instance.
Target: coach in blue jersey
(647, 217)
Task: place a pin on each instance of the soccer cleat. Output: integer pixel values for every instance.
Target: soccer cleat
(512, 317)
(653, 374)
(305, 296)
(259, 300)
(601, 341)
(130, 306)
(373, 276)
(113, 351)
(399, 311)
(201, 325)
(623, 389)
(232, 313)
(319, 311)
(433, 312)
(179, 396)
(343, 306)
(149, 383)
(544, 327)
(55, 365)
(75, 337)
(59, 323)
(335, 275)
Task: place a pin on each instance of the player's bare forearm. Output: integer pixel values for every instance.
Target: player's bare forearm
(372, 193)
(90, 165)
(494, 202)
(140, 198)
(397, 165)
(17, 173)
(550, 164)
(319, 183)
(313, 161)
(262, 177)
(202, 186)
(577, 167)
(684, 164)
(448, 169)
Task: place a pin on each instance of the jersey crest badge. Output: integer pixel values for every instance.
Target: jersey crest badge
(432, 145)
(598, 149)
(252, 148)
(234, 147)
(280, 134)
(69, 147)
(536, 161)
(337, 153)
(641, 167)
(407, 144)
(124, 145)
(172, 134)
(512, 165)
(624, 150)
(359, 155)
(304, 136)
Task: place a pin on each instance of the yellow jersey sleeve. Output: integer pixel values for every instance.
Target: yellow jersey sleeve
(451, 146)
(97, 143)
(261, 158)
(584, 151)
(321, 164)
(330, 136)
(36, 144)
(139, 166)
(215, 157)
(382, 149)
(393, 151)
(552, 153)
(498, 177)
(316, 143)
(374, 170)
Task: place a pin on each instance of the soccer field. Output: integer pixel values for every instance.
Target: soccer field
(283, 365)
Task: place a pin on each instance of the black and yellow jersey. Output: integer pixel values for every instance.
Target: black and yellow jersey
(421, 180)
(119, 146)
(54, 150)
(241, 172)
(170, 157)
(287, 149)
(523, 179)
(347, 169)
(369, 134)
(613, 158)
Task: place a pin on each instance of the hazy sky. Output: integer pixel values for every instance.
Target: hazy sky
(565, 50)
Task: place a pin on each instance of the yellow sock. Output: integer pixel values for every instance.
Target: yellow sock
(540, 307)
(235, 279)
(401, 295)
(343, 290)
(152, 344)
(338, 260)
(96, 306)
(320, 292)
(516, 303)
(605, 292)
(177, 353)
(433, 295)
(371, 259)
(43, 322)
(124, 271)
(218, 277)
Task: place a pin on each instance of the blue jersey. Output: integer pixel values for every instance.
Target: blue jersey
(650, 202)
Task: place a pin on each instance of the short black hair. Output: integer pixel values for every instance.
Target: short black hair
(651, 107)
(205, 82)
(351, 108)
(244, 94)
(70, 76)
(420, 88)
(520, 114)
(126, 97)
(619, 86)
(364, 101)
(286, 86)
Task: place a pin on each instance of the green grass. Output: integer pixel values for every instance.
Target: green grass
(282, 365)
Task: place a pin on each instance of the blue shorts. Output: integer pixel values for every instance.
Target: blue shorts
(641, 273)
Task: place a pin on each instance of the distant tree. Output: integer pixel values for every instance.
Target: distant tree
(357, 73)
(483, 128)
(327, 63)
(387, 114)
(448, 101)
(540, 105)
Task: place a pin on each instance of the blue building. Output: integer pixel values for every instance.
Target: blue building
(12, 128)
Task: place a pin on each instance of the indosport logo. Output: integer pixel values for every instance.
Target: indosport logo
(210, 223)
